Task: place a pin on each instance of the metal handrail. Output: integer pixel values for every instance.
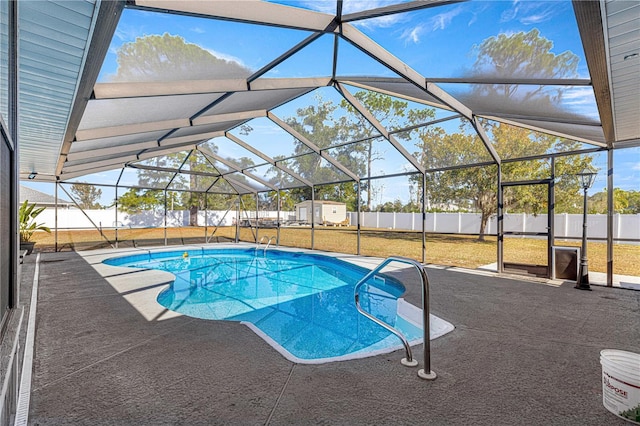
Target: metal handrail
(424, 373)
(272, 238)
(269, 239)
(261, 240)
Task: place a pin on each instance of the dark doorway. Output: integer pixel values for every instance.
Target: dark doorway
(525, 226)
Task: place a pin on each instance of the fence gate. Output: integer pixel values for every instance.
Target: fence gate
(524, 241)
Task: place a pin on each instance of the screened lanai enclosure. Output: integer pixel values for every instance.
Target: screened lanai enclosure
(452, 131)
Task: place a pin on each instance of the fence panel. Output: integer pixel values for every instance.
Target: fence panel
(566, 225)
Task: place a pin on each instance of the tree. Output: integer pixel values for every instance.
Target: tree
(87, 195)
(479, 184)
(326, 125)
(385, 110)
(524, 55)
(167, 57)
(624, 202)
(137, 200)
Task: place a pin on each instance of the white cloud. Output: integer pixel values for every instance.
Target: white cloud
(582, 101)
(537, 18)
(530, 12)
(436, 23)
(226, 57)
(636, 166)
(127, 33)
(579, 95)
(412, 35)
(442, 20)
(198, 30)
(380, 22)
(320, 6)
(353, 6)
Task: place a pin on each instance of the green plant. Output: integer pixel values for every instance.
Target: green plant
(27, 215)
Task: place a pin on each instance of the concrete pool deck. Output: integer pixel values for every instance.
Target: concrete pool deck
(523, 352)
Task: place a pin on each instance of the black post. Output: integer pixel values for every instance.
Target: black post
(583, 277)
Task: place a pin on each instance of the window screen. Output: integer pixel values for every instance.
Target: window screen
(5, 228)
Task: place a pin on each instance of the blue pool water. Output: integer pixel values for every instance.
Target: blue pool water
(300, 303)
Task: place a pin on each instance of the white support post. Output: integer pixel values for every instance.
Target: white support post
(56, 218)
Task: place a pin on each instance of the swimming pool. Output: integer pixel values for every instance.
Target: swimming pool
(300, 303)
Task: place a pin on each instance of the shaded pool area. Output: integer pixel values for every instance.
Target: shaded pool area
(300, 303)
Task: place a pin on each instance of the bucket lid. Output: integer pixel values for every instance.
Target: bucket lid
(617, 354)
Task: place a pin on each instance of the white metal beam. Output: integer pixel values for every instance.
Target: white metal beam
(515, 122)
(120, 149)
(377, 52)
(65, 175)
(106, 132)
(485, 139)
(293, 132)
(249, 11)
(357, 38)
(163, 88)
(440, 94)
(193, 87)
(396, 8)
(232, 116)
(289, 83)
(379, 127)
(207, 152)
(200, 137)
(268, 159)
(234, 183)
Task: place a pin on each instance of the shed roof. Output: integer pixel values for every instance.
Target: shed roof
(38, 197)
(321, 202)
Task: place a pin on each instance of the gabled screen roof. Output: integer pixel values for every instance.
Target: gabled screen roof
(282, 94)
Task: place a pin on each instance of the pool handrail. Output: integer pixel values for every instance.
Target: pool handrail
(269, 239)
(272, 238)
(426, 372)
(261, 240)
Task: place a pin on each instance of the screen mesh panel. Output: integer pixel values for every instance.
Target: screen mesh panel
(5, 227)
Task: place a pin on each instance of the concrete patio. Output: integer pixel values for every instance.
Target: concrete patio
(523, 352)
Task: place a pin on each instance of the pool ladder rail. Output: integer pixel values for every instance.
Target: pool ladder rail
(426, 372)
(268, 239)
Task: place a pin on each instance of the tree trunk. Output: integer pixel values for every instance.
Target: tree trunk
(193, 215)
(369, 161)
(194, 200)
(483, 225)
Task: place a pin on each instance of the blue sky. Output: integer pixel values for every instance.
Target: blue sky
(436, 42)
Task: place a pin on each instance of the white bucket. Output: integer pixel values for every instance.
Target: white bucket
(621, 383)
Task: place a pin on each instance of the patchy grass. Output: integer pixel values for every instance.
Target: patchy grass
(450, 250)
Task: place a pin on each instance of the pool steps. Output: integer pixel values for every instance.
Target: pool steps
(426, 372)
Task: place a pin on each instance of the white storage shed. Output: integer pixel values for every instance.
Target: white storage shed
(324, 212)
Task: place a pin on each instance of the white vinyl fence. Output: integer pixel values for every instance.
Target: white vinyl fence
(566, 225)
(74, 218)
